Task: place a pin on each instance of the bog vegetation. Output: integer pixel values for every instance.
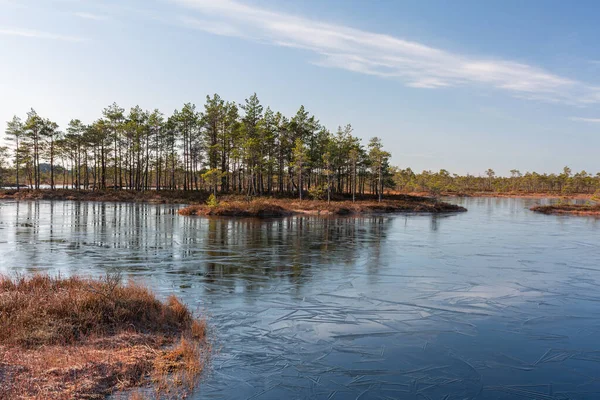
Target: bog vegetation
(566, 182)
(86, 338)
(268, 208)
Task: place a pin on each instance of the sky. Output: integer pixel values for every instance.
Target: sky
(460, 85)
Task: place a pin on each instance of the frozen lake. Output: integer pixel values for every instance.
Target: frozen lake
(495, 303)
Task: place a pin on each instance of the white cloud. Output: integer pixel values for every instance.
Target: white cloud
(414, 64)
(38, 35)
(87, 15)
(591, 120)
(211, 26)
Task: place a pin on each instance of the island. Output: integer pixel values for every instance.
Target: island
(270, 208)
(569, 209)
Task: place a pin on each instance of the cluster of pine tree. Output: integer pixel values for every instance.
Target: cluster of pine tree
(225, 147)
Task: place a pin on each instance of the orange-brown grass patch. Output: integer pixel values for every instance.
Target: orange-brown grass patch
(571, 209)
(281, 207)
(256, 208)
(65, 338)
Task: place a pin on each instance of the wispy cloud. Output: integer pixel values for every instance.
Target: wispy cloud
(213, 27)
(415, 64)
(591, 120)
(39, 35)
(87, 15)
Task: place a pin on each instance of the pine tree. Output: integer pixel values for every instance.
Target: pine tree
(300, 157)
(34, 125)
(50, 133)
(14, 133)
(378, 158)
(114, 116)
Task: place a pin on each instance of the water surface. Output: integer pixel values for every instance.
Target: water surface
(495, 303)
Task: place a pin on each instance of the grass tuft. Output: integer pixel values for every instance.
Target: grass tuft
(87, 338)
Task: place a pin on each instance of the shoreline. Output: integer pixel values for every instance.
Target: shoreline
(191, 196)
(569, 209)
(235, 205)
(524, 195)
(124, 196)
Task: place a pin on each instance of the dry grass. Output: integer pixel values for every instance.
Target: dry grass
(84, 338)
(256, 208)
(281, 207)
(572, 209)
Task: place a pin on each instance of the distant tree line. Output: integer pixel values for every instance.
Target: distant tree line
(225, 147)
(565, 182)
(233, 148)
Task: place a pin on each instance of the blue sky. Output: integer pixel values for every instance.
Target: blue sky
(460, 85)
